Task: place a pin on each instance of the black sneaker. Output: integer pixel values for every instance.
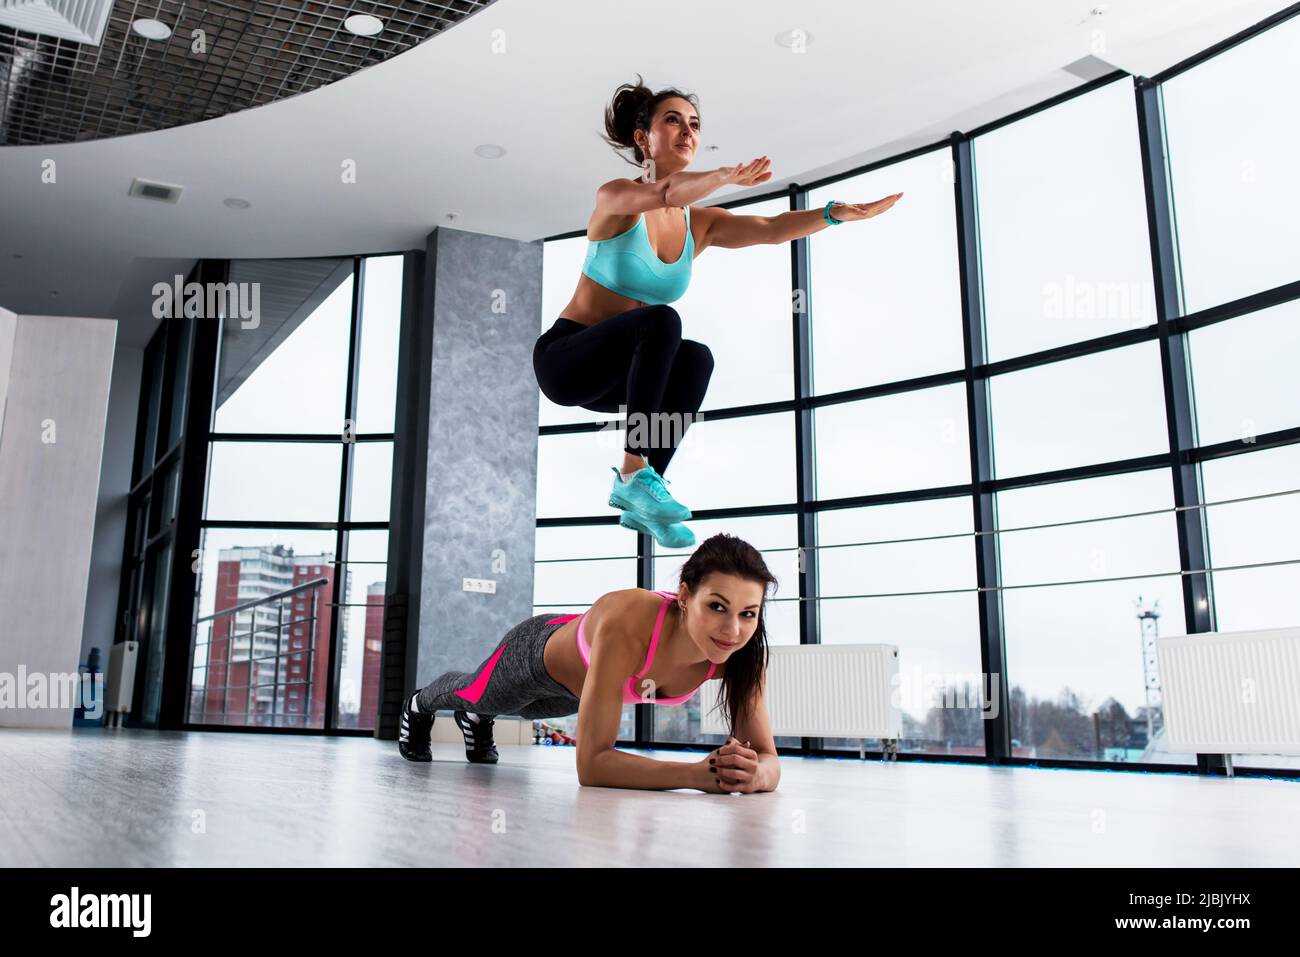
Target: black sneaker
(479, 746)
(414, 733)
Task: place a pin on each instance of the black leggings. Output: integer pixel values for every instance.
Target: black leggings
(636, 359)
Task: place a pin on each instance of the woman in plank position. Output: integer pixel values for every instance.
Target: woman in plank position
(632, 646)
(618, 345)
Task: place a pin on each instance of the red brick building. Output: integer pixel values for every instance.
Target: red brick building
(372, 645)
(282, 646)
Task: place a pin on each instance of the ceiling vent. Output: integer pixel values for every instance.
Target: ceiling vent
(80, 20)
(1089, 67)
(165, 192)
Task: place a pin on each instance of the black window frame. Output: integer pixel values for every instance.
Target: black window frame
(341, 525)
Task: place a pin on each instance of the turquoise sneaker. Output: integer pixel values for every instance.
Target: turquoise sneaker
(671, 535)
(646, 496)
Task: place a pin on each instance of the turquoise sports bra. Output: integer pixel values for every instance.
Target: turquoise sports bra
(628, 265)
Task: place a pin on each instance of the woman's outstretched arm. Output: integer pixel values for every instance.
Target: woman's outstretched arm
(685, 188)
(726, 230)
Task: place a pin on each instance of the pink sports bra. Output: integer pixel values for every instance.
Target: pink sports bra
(630, 695)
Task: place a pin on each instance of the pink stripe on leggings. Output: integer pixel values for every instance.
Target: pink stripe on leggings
(475, 691)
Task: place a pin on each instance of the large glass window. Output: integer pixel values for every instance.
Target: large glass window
(361, 665)
(1232, 144)
(1074, 630)
(154, 357)
(285, 370)
(272, 601)
(893, 443)
(381, 320)
(904, 575)
(574, 472)
(726, 463)
(183, 332)
(576, 563)
(1086, 570)
(1255, 532)
(149, 555)
(888, 303)
(1244, 373)
(1064, 248)
(264, 665)
(372, 481)
(1097, 408)
(290, 481)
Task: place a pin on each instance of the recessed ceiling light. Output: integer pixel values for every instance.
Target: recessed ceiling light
(363, 24)
(490, 151)
(787, 38)
(234, 202)
(151, 29)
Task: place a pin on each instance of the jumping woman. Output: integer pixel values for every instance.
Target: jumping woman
(618, 343)
(631, 647)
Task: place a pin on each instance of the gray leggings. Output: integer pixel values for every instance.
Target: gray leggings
(512, 681)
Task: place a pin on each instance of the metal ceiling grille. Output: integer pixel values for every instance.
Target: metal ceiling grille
(54, 90)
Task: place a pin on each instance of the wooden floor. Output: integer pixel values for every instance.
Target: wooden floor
(129, 798)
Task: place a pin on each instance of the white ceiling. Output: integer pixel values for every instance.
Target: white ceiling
(878, 77)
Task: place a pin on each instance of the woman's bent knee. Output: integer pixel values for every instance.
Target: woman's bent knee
(548, 385)
(697, 354)
(662, 321)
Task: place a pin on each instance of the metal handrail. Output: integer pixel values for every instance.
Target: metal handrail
(314, 583)
(254, 671)
(994, 532)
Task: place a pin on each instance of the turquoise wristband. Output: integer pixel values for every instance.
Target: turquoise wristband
(827, 213)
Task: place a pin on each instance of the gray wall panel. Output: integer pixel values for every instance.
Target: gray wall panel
(480, 482)
(60, 373)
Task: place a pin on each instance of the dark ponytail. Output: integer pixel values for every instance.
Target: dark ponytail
(631, 109)
(742, 680)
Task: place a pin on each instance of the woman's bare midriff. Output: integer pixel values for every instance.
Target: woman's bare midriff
(592, 302)
(641, 608)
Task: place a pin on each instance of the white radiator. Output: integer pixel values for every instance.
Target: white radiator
(121, 676)
(823, 691)
(1231, 692)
